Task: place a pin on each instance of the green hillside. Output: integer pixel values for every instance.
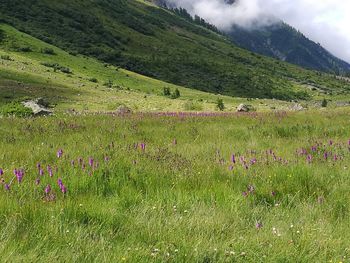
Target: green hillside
(91, 86)
(158, 43)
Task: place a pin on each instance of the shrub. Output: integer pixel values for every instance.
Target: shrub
(108, 84)
(6, 57)
(73, 53)
(324, 103)
(166, 91)
(94, 80)
(15, 109)
(48, 51)
(24, 49)
(176, 94)
(50, 65)
(220, 104)
(57, 66)
(65, 70)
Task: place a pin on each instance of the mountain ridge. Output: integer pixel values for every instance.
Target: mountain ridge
(281, 41)
(284, 42)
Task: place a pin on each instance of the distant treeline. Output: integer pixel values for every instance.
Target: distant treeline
(196, 19)
(184, 14)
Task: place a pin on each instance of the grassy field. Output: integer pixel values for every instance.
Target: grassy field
(159, 186)
(260, 187)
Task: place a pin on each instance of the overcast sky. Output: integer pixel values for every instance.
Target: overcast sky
(323, 21)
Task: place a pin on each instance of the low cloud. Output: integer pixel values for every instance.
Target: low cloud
(326, 21)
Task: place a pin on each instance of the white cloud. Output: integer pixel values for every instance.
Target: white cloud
(324, 21)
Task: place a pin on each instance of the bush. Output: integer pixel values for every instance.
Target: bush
(176, 94)
(48, 51)
(65, 70)
(6, 57)
(24, 49)
(73, 53)
(56, 67)
(108, 84)
(94, 80)
(220, 104)
(324, 103)
(166, 91)
(15, 109)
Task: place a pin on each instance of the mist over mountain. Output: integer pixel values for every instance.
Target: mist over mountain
(253, 27)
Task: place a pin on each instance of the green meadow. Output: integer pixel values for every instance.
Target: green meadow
(176, 180)
(257, 187)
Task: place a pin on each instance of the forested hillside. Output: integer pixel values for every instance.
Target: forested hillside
(141, 37)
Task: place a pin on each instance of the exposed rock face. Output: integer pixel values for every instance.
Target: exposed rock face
(123, 110)
(297, 107)
(244, 108)
(38, 107)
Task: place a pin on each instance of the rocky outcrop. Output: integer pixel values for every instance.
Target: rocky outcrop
(38, 107)
(245, 108)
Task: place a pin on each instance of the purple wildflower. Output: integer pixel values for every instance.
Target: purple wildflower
(59, 153)
(233, 158)
(143, 146)
(309, 158)
(7, 187)
(91, 162)
(258, 225)
(325, 155)
(19, 174)
(38, 165)
(1, 172)
(63, 189)
(49, 170)
(48, 189)
(245, 194)
(72, 162)
(37, 181)
(273, 193)
(106, 159)
(41, 172)
(59, 182)
(230, 167)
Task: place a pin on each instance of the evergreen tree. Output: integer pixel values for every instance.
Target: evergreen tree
(220, 104)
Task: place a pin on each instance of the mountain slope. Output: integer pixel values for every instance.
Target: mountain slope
(91, 86)
(161, 44)
(283, 42)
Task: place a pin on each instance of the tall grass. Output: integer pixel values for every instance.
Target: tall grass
(149, 188)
